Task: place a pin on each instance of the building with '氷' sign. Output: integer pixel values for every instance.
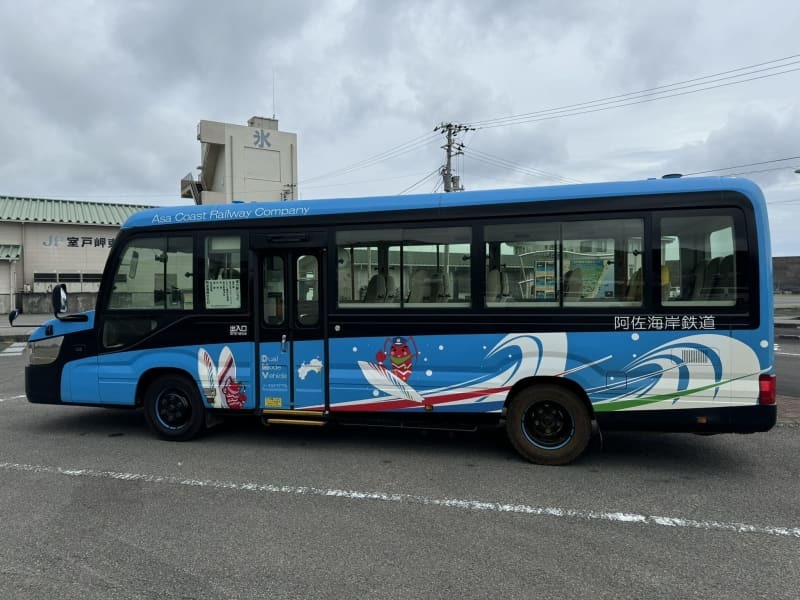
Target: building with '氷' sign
(44, 242)
(256, 162)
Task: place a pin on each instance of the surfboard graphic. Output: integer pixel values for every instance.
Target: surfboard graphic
(384, 380)
(207, 371)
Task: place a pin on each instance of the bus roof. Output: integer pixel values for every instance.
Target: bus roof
(172, 215)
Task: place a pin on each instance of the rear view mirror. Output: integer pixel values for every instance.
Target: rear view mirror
(134, 265)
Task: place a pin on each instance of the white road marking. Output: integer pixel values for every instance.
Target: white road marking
(471, 505)
(12, 398)
(786, 354)
(14, 349)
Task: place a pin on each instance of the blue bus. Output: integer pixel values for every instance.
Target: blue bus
(548, 311)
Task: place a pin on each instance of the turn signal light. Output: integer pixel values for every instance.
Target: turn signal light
(766, 389)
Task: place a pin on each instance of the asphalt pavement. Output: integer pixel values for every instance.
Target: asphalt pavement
(23, 327)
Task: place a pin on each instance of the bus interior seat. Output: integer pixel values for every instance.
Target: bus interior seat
(420, 287)
(440, 288)
(707, 279)
(727, 269)
(392, 290)
(698, 280)
(665, 282)
(634, 291)
(497, 288)
(505, 289)
(712, 275)
(376, 289)
(573, 285)
(493, 285)
(725, 279)
(462, 287)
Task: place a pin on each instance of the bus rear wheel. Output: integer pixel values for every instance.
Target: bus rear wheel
(548, 424)
(173, 408)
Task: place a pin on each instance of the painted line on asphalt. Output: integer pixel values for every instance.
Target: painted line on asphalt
(786, 354)
(12, 398)
(471, 505)
(15, 349)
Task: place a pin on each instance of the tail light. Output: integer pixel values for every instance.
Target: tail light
(766, 389)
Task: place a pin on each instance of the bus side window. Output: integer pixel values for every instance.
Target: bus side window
(154, 274)
(307, 290)
(698, 261)
(274, 292)
(223, 276)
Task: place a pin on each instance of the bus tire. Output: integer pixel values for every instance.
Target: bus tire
(548, 424)
(173, 408)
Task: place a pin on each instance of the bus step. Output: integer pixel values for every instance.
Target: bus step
(293, 414)
(293, 417)
(270, 421)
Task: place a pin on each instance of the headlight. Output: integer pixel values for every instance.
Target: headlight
(43, 352)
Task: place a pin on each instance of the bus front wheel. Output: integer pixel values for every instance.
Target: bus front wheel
(173, 408)
(548, 424)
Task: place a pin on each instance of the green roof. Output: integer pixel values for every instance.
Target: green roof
(10, 252)
(44, 210)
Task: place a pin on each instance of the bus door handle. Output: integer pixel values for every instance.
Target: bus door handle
(283, 343)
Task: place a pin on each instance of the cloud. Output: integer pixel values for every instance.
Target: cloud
(101, 100)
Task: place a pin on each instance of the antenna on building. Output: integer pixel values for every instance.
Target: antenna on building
(273, 93)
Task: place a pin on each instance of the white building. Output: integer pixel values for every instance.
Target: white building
(44, 242)
(252, 163)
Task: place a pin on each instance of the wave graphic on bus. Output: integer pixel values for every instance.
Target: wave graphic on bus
(698, 366)
(527, 355)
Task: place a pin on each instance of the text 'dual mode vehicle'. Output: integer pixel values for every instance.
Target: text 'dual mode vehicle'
(636, 305)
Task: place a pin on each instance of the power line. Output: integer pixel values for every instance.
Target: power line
(639, 97)
(514, 166)
(759, 171)
(790, 201)
(393, 152)
(643, 101)
(649, 89)
(421, 181)
(642, 96)
(619, 97)
(755, 164)
(346, 183)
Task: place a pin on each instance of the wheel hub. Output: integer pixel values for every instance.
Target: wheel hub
(174, 410)
(548, 424)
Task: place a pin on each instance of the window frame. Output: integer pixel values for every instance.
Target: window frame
(745, 253)
(201, 264)
(104, 299)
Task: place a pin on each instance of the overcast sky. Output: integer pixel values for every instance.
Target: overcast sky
(100, 100)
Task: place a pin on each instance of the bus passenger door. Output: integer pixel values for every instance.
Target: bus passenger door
(291, 348)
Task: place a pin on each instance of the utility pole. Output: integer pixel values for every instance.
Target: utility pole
(452, 183)
(287, 193)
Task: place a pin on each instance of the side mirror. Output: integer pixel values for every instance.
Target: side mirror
(12, 316)
(59, 299)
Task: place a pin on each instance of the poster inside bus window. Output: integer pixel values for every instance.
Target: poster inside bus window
(223, 293)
